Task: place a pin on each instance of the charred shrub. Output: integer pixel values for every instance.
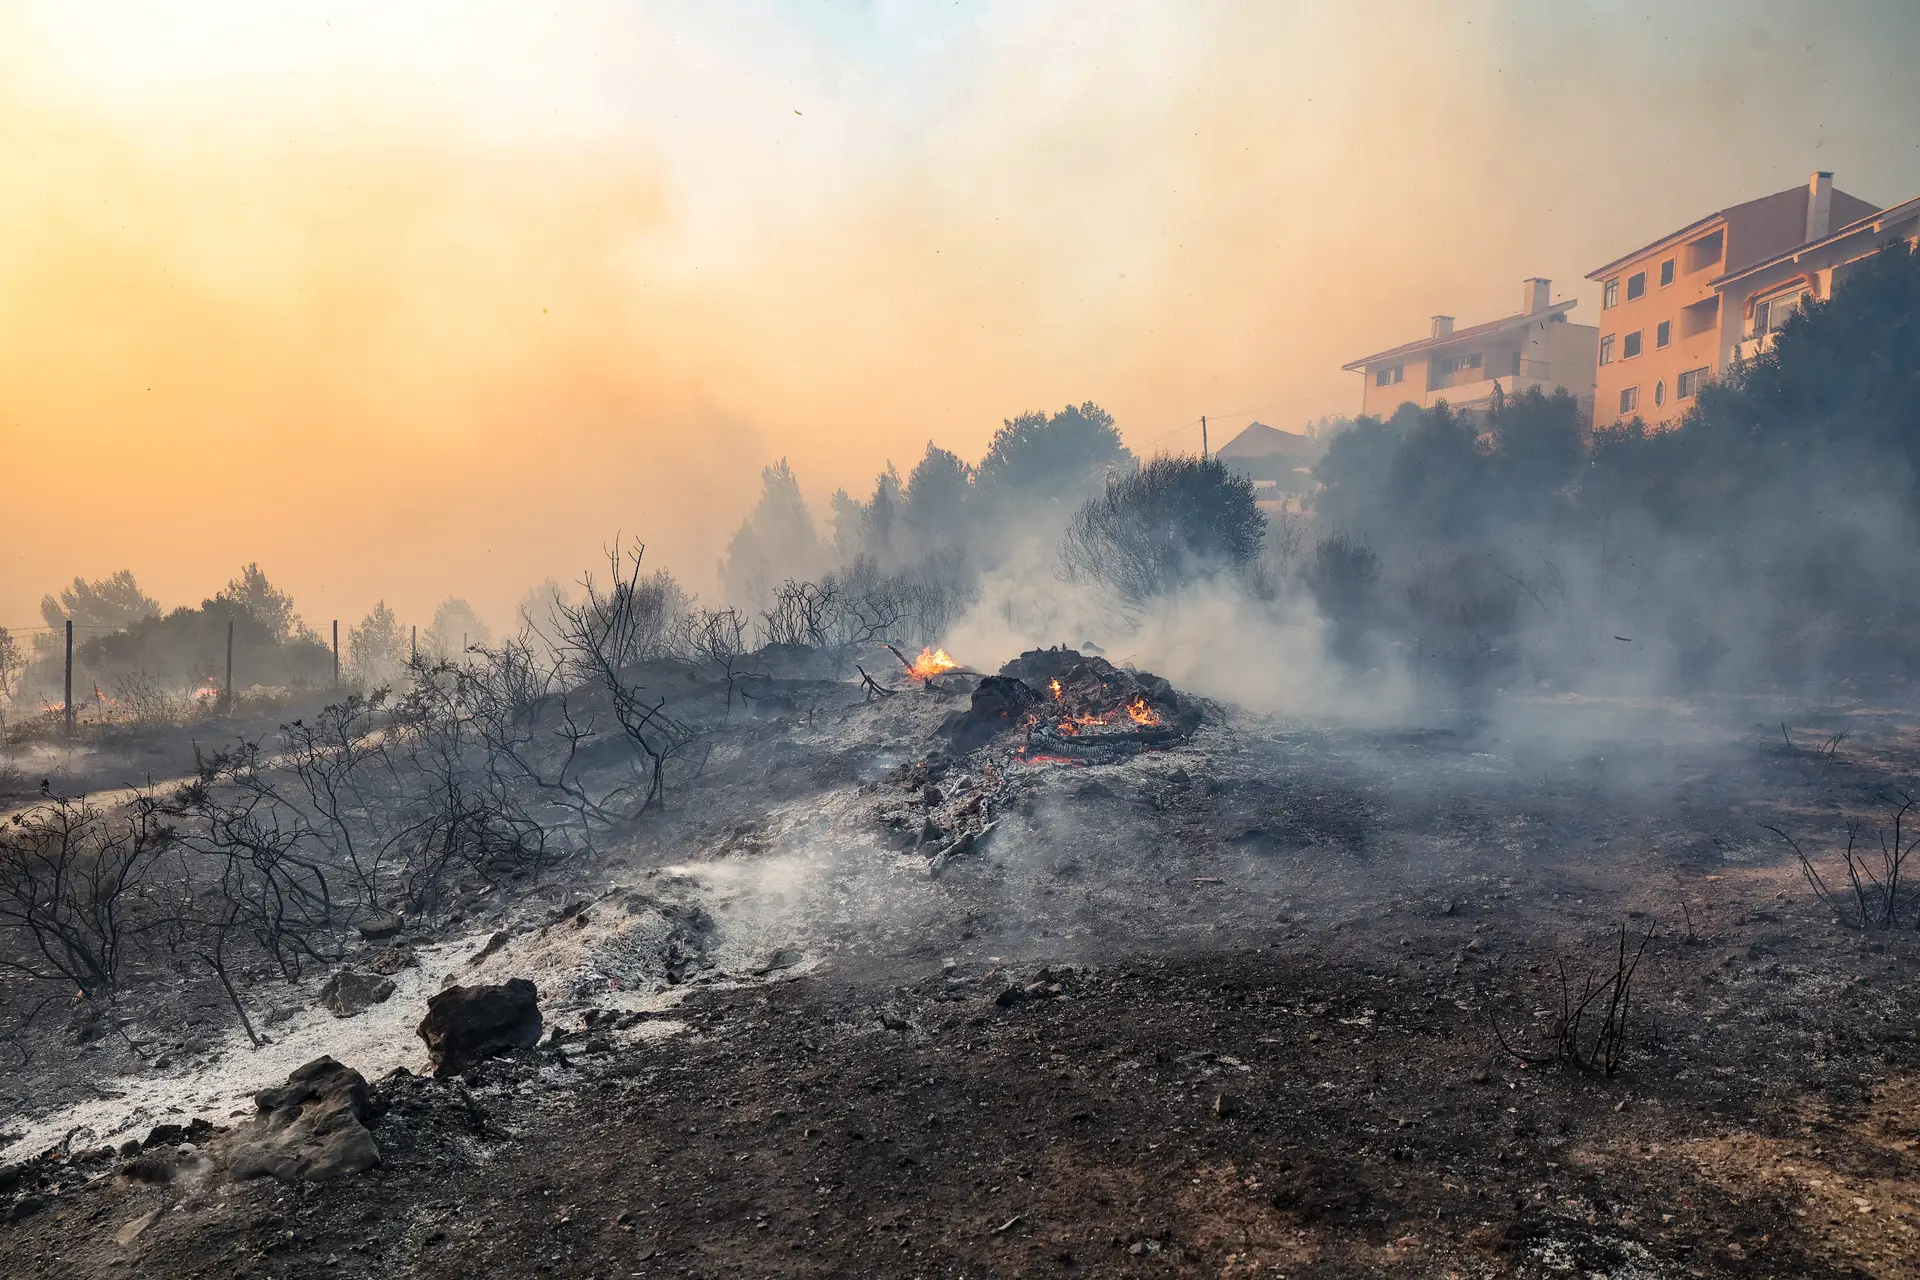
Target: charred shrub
(1342, 576)
(1877, 893)
(1174, 521)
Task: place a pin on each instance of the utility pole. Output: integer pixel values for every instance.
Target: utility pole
(413, 647)
(336, 653)
(67, 705)
(1203, 437)
(229, 666)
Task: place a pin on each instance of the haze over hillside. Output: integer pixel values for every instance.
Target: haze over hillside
(399, 303)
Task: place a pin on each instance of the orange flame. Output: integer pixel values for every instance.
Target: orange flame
(1142, 713)
(930, 663)
(1055, 683)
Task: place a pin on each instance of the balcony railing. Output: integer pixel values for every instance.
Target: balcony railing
(1539, 369)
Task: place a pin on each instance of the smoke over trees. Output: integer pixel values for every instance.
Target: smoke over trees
(455, 626)
(377, 647)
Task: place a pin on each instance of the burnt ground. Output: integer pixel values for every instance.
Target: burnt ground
(1221, 1009)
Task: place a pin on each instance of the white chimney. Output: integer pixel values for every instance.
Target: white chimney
(1443, 326)
(1819, 207)
(1535, 295)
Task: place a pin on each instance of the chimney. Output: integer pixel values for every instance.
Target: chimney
(1443, 326)
(1819, 207)
(1535, 295)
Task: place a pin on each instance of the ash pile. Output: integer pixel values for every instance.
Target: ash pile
(1068, 705)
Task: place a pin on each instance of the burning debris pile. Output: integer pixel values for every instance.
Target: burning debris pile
(1074, 706)
(1047, 704)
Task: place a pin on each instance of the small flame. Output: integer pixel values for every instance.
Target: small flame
(1055, 683)
(930, 663)
(1142, 713)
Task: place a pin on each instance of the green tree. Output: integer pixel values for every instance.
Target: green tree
(377, 648)
(936, 500)
(271, 607)
(1037, 463)
(775, 542)
(1172, 522)
(109, 604)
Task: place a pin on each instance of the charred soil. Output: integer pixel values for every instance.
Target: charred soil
(1222, 1005)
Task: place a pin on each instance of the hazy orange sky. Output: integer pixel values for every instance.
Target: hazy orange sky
(410, 300)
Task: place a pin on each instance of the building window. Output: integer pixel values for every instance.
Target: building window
(1664, 334)
(1606, 349)
(1631, 347)
(1387, 377)
(1768, 316)
(1636, 285)
(1629, 399)
(1666, 273)
(1660, 392)
(1460, 364)
(1692, 380)
(1611, 297)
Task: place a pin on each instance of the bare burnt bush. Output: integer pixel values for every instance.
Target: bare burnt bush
(72, 883)
(601, 643)
(1877, 893)
(1590, 1031)
(718, 638)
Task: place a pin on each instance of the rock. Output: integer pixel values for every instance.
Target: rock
(25, 1207)
(784, 958)
(9, 1177)
(1010, 997)
(467, 1024)
(381, 927)
(165, 1135)
(497, 941)
(147, 1167)
(998, 703)
(348, 994)
(388, 961)
(1226, 1106)
(309, 1129)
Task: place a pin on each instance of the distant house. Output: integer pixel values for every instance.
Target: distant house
(1535, 347)
(1269, 456)
(1675, 313)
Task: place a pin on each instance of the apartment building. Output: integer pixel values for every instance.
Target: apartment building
(1535, 347)
(1766, 293)
(1668, 325)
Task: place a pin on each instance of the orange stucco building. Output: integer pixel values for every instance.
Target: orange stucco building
(1668, 322)
(1535, 347)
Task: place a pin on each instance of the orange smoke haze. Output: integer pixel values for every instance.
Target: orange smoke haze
(431, 304)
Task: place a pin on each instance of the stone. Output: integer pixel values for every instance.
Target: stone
(309, 1129)
(465, 1025)
(380, 927)
(388, 961)
(348, 994)
(784, 958)
(998, 703)
(494, 943)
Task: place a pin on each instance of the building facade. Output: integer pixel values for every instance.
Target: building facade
(1536, 347)
(1763, 295)
(1668, 324)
